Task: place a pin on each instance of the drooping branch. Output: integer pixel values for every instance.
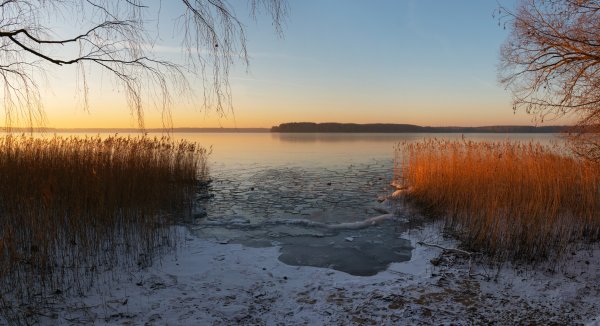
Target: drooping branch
(119, 40)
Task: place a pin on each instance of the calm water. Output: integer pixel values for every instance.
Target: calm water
(325, 150)
(309, 193)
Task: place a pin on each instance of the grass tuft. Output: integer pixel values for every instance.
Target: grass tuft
(510, 200)
(70, 207)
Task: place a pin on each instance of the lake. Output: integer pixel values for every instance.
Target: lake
(320, 198)
(310, 194)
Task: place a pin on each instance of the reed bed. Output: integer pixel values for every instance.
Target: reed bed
(509, 200)
(70, 207)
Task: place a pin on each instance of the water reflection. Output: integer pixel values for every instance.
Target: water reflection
(280, 189)
(343, 137)
(399, 137)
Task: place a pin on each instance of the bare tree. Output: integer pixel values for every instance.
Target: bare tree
(551, 63)
(116, 36)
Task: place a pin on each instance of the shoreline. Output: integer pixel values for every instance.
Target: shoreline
(211, 283)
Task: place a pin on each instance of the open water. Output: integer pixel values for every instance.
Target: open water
(313, 195)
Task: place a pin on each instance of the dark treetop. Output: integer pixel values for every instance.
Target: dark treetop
(407, 128)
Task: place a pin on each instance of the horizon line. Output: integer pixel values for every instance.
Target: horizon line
(248, 129)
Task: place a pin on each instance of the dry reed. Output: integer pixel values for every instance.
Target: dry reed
(70, 207)
(510, 200)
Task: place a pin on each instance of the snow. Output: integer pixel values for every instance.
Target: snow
(594, 322)
(204, 282)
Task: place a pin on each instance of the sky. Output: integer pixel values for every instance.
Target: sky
(424, 62)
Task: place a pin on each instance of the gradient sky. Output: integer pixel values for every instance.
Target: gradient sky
(426, 62)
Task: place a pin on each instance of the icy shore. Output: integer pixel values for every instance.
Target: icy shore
(207, 283)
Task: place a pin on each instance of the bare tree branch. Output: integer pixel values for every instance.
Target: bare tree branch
(551, 61)
(116, 37)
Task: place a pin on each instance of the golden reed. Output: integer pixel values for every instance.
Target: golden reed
(70, 207)
(510, 200)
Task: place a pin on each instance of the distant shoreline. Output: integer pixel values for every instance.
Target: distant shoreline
(334, 127)
(310, 127)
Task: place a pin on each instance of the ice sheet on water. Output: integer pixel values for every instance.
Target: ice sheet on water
(375, 241)
(310, 213)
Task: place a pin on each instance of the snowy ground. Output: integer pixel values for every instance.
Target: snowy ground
(207, 283)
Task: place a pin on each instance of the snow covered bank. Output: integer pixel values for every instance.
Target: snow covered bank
(205, 283)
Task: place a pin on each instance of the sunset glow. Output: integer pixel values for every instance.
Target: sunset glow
(419, 62)
(300, 162)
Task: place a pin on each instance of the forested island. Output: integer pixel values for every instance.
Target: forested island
(408, 128)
